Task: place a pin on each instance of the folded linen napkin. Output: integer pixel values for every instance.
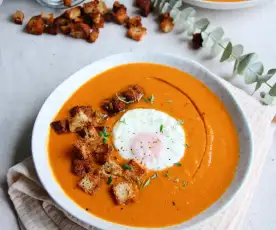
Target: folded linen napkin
(36, 210)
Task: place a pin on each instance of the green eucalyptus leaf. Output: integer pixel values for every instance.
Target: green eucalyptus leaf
(215, 50)
(174, 14)
(217, 34)
(269, 99)
(235, 70)
(253, 72)
(202, 24)
(258, 85)
(237, 51)
(161, 4)
(175, 4)
(272, 91)
(245, 61)
(191, 30)
(188, 13)
(271, 71)
(227, 52)
(165, 8)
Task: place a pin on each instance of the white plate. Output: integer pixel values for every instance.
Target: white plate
(225, 5)
(60, 95)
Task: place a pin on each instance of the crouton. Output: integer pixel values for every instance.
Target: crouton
(89, 133)
(61, 126)
(90, 183)
(51, 29)
(61, 21)
(67, 3)
(99, 118)
(119, 12)
(145, 7)
(113, 106)
(35, 25)
(81, 116)
(124, 192)
(111, 168)
(81, 167)
(166, 23)
(108, 17)
(73, 13)
(80, 30)
(93, 36)
(136, 171)
(95, 6)
(134, 21)
(102, 153)
(136, 33)
(82, 149)
(66, 29)
(18, 17)
(134, 93)
(97, 19)
(79, 19)
(48, 19)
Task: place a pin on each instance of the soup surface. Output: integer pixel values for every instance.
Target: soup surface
(174, 194)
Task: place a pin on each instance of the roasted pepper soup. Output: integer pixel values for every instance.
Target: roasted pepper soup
(173, 194)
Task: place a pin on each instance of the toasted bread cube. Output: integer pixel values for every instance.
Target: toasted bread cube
(73, 13)
(18, 17)
(90, 183)
(145, 6)
(82, 149)
(166, 23)
(99, 118)
(61, 126)
(51, 29)
(137, 171)
(102, 8)
(66, 29)
(134, 21)
(48, 19)
(136, 33)
(81, 116)
(80, 30)
(89, 133)
(81, 167)
(93, 36)
(111, 168)
(108, 17)
(102, 153)
(67, 2)
(97, 19)
(124, 192)
(134, 93)
(35, 25)
(119, 12)
(61, 21)
(96, 6)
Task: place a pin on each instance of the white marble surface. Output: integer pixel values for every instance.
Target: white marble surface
(32, 66)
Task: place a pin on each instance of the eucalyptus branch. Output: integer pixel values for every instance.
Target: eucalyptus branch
(245, 65)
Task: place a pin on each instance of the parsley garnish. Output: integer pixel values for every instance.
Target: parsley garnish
(126, 167)
(149, 99)
(123, 99)
(180, 122)
(105, 135)
(123, 121)
(185, 183)
(176, 180)
(146, 183)
(109, 181)
(177, 164)
(161, 128)
(167, 175)
(154, 175)
(186, 146)
(169, 101)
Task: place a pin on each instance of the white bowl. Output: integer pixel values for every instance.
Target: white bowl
(60, 95)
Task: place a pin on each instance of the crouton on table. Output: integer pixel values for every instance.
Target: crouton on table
(67, 2)
(35, 25)
(90, 183)
(18, 17)
(124, 192)
(96, 6)
(73, 13)
(93, 36)
(136, 32)
(119, 12)
(134, 21)
(166, 23)
(145, 6)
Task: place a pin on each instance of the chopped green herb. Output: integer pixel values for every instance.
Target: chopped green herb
(105, 135)
(176, 180)
(123, 121)
(161, 128)
(149, 99)
(109, 181)
(123, 99)
(185, 183)
(169, 101)
(186, 146)
(146, 183)
(154, 175)
(180, 122)
(177, 164)
(126, 167)
(167, 175)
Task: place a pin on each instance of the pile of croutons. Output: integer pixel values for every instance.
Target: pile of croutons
(92, 158)
(85, 22)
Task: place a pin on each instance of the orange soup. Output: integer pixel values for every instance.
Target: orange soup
(174, 194)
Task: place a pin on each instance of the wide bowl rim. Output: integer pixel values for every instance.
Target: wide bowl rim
(48, 180)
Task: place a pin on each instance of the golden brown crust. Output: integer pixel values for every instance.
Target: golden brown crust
(73, 13)
(97, 19)
(35, 25)
(93, 36)
(111, 168)
(124, 192)
(145, 7)
(80, 30)
(90, 183)
(18, 17)
(81, 167)
(48, 19)
(61, 126)
(95, 7)
(82, 149)
(81, 116)
(136, 33)
(61, 21)
(134, 21)
(166, 23)
(66, 29)
(137, 171)
(102, 153)
(89, 133)
(67, 2)
(119, 12)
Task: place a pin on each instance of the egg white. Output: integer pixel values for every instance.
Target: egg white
(165, 129)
